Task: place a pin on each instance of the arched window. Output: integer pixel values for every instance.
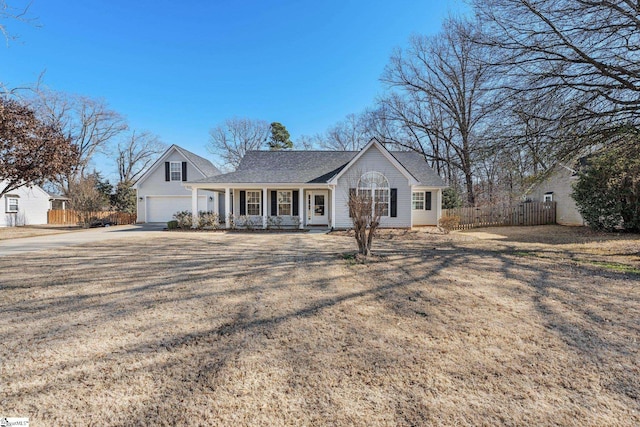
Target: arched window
(377, 186)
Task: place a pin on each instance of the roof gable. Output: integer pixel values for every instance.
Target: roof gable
(24, 188)
(202, 165)
(371, 145)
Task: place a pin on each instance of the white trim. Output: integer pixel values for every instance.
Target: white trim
(162, 159)
(301, 205)
(9, 197)
(424, 200)
(385, 153)
(311, 205)
(265, 194)
(194, 206)
(171, 172)
(333, 207)
(278, 202)
(215, 186)
(259, 203)
(227, 207)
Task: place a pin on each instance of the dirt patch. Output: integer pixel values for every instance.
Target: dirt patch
(228, 329)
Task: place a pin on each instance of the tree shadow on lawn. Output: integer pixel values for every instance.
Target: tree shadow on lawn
(546, 234)
(244, 286)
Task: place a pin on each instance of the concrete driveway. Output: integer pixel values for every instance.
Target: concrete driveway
(40, 243)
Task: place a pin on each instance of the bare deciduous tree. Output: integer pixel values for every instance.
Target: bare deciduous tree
(443, 95)
(234, 137)
(350, 134)
(89, 123)
(8, 12)
(31, 151)
(86, 199)
(136, 153)
(309, 142)
(585, 49)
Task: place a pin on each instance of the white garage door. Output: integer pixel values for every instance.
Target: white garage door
(161, 209)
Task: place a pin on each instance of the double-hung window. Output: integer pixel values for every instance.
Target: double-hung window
(253, 203)
(12, 204)
(382, 201)
(284, 203)
(176, 171)
(417, 200)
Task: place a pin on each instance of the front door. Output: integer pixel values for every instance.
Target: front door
(317, 207)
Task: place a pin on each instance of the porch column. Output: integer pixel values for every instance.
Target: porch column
(227, 208)
(216, 203)
(264, 207)
(194, 207)
(438, 206)
(301, 211)
(333, 207)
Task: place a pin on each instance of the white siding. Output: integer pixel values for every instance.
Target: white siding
(374, 160)
(560, 183)
(427, 217)
(154, 184)
(33, 204)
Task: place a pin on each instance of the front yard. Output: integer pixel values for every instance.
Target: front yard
(7, 233)
(508, 327)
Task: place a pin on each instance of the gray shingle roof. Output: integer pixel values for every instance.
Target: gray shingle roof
(292, 167)
(207, 168)
(418, 167)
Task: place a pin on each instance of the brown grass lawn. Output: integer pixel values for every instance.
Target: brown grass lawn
(465, 329)
(33, 230)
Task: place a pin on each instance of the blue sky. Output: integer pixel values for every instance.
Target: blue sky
(178, 69)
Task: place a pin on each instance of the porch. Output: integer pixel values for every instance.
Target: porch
(276, 206)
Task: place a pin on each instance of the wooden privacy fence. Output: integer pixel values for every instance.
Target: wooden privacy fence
(70, 217)
(530, 213)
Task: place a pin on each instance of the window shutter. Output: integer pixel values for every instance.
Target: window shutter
(394, 202)
(184, 171)
(296, 202)
(427, 201)
(167, 172)
(274, 203)
(243, 202)
(352, 194)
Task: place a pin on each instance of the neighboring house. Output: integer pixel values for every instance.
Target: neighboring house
(58, 202)
(557, 187)
(314, 186)
(24, 206)
(160, 192)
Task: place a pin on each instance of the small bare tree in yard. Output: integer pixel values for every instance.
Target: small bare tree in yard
(369, 200)
(365, 215)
